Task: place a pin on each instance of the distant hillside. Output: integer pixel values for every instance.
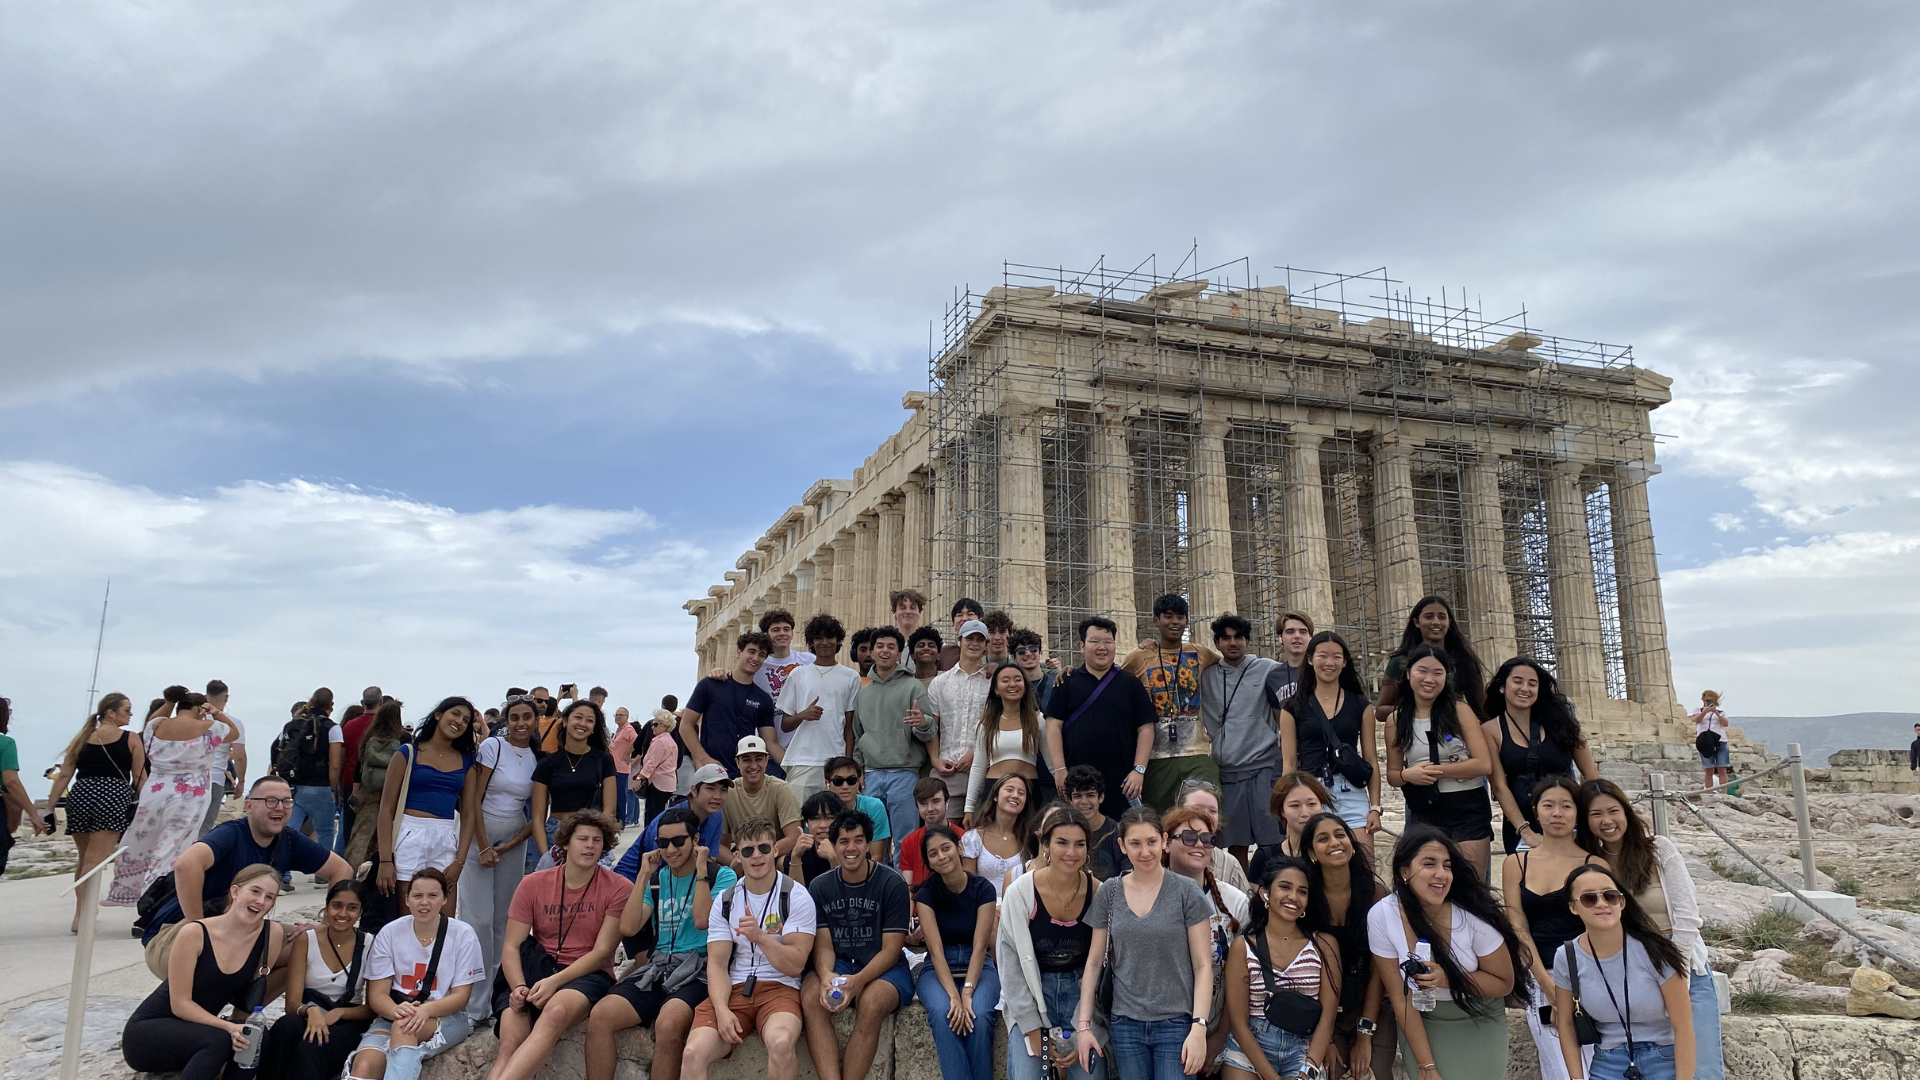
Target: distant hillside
(1819, 736)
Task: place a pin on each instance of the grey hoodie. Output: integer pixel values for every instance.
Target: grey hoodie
(1244, 736)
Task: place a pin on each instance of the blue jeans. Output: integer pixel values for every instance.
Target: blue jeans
(313, 804)
(1285, 1051)
(970, 1056)
(1708, 1061)
(1060, 991)
(1149, 1049)
(404, 1062)
(1655, 1061)
(894, 787)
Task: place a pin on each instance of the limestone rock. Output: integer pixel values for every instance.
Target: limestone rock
(42, 1026)
(1876, 993)
(1729, 903)
(1724, 960)
(1765, 972)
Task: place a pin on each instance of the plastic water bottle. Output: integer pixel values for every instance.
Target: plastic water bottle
(256, 1033)
(1423, 999)
(837, 992)
(1063, 1038)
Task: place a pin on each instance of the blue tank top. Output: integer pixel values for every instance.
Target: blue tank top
(433, 791)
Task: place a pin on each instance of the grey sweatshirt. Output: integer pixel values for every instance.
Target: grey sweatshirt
(1233, 706)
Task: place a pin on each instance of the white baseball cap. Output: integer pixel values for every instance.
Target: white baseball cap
(712, 774)
(973, 626)
(751, 744)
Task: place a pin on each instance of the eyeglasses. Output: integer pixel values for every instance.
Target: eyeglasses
(673, 841)
(844, 781)
(1194, 838)
(761, 848)
(272, 803)
(1609, 897)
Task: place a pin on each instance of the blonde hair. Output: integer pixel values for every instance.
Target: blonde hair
(1710, 697)
(669, 719)
(255, 870)
(107, 704)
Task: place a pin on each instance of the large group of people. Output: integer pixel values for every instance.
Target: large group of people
(1155, 865)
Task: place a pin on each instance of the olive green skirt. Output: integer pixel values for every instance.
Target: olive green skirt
(1465, 1048)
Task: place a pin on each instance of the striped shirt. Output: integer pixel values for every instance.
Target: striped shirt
(1302, 976)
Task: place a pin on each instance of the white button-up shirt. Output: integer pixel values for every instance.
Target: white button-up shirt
(960, 698)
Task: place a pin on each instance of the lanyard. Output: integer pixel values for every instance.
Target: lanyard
(1626, 991)
(1226, 709)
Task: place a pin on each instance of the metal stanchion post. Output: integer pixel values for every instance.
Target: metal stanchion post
(1657, 790)
(1797, 773)
(89, 887)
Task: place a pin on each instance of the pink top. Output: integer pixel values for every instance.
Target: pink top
(622, 748)
(663, 759)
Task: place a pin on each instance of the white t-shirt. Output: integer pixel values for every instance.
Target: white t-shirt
(512, 781)
(398, 955)
(1217, 924)
(772, 677)
(747, 958)
(236, 736)
(1469, 939)
(814, 742)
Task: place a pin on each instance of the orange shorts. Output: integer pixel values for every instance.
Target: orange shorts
(769, 999)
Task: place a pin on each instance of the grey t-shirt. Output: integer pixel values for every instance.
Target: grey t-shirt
(1637, 989)
(1152, 969)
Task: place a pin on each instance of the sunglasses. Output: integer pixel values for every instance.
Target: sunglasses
(673, 841)
(1025, 650)
(761, 848)
(844, 781)
(1194, 838)
(1609, 897)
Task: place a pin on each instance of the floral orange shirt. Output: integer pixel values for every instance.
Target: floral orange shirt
(1172, 680)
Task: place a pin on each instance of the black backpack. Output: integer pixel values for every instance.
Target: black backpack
(301, 750)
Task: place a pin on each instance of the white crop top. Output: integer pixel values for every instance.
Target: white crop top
(1004, 746)
(331, 983)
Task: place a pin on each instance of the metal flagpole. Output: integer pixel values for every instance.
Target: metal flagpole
(93, 682)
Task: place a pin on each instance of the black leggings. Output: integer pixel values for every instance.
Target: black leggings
(291, 1057)
(166, 1043)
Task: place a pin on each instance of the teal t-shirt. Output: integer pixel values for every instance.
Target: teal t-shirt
(673, 910)
(10, 759)
(876, 812)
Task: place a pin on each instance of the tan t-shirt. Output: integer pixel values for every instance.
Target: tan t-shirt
(774, 801)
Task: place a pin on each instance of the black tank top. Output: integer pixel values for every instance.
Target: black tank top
(213, 989)
(1061, 945)
(114, 760)
(1310, 730)
(1550, 921)
(1523, 774)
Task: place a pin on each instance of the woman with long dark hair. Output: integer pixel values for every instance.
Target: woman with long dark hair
(1297, 797)
(437, 824)
(1001, 840)
(1534, 886)
(956, 912)
(327, 1008)
(1447, 1004)
(1009, 734)
(580, 775)
(1326, 731)
(386, 734)
(1343, 890)
(1431, 622)
(1437, 756)
(1631, 980)
(173, 801)
(1043, 945)
(1534, 735)
(1280, 956)
(106, 765)
(1653, 870)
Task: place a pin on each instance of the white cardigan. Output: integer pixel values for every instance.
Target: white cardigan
(1020, 994)
(1683, 904)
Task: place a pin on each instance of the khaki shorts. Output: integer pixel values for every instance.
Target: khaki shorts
(769, 999)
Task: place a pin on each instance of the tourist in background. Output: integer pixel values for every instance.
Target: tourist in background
(1001, 841)
(1710, 738)
(1245, 737)
(505, 765)
(1342, 890)
(1326, 730)
(1535, 886)
(1042, 948)
(1169, 667)
(658, 773)
(1280, 1037)
(1534, 735)
(1191, 841)
(1437, 756)
(419, 1004)
(353, 732)
(1297, 798)
(310, 754)
(895, 731)
(232, 749)
(436, 769)
(958, 695)
(1101, 716)
(100, 774)
(578, 776)
(1653, 870)
(816, 708)
(15, 803)
(180, 751)
(372, 755)
(625, 734)
(1008, 740)
(1162, 982)
(327, 1008)
(956, 914)
(1431, 622)
(215, 963)
(1439, 900)
(1630, 979)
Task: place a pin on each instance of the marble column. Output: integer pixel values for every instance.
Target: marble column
(823, 595)
(1578, 663)
(1643, 612)
(866, 576)
(1489, 599)
(1309, 563)
(1396, 540)
(789, 595)
(1211, 592)
(1110, 544)
(1022, 588)
(913, 534)
(892, 552)
(843, 578)
(805, 598)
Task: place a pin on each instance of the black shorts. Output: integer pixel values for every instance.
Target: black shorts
(648, 1003)
(1462, 815)
(593, 986)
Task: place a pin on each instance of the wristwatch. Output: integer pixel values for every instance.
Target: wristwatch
(1141, 769)
(1366, 1027)
(1192, 1020)
(1376, 809)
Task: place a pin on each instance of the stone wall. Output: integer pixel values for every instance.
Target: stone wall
(1880, 771)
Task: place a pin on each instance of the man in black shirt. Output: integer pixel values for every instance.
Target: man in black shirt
(1110, 729)
(1913, 752)
(863, 909)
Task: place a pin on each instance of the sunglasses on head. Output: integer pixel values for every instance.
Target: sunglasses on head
(761, 848)
(1610, 897)
(674, 841)
(1194, 838)
(844, 781)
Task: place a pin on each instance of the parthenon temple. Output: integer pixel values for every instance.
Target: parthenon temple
(1089, 440)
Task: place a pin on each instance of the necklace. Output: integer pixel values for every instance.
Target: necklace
(335, 949)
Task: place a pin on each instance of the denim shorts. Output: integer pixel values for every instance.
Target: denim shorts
(899, 976)
(1285, 1051)
(1654, 1059)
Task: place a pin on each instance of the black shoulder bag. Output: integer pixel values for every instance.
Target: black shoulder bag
(345, 1000)
(1422, 797)
(1103, 990)
(425, 988)
(1289, 1010)
(1342, 757)
(1586, 1030)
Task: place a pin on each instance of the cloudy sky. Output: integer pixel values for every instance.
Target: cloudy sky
(447, 345)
